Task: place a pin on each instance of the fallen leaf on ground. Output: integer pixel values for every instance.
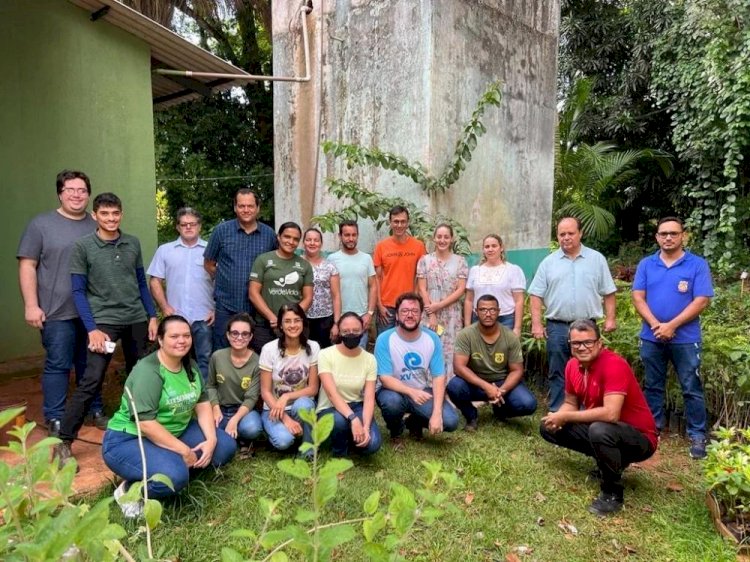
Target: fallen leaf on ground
(469, 498)
(648, 509)
(540, 497)
(510, 557)
(675, 487)
(630, 550)
(567, 528)
(523, 550)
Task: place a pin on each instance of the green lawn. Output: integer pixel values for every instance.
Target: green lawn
(517, 489)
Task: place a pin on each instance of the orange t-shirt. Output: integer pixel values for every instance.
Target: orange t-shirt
(399, 263)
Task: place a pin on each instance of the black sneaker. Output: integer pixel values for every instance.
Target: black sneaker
(698, 449)
(471, 425)
(606, 504)
(100, 420)
(63, 454)
(53, 428)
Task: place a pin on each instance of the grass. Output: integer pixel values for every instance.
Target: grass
(517, 489)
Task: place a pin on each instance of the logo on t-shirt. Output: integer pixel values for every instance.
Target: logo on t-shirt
(220, 378)
(499, 357)
(682, 286)
(412, 367)
(288, 279)
(245, 384)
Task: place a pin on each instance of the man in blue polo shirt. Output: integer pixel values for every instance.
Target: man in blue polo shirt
(670, 290)
(571, 283)
(229, 256)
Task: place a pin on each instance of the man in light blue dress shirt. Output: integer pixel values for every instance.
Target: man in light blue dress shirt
(571, 284)
(189, 286)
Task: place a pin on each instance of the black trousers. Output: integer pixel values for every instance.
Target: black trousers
(262, 334)
(614, 446)
(320, 330)
(134, 340)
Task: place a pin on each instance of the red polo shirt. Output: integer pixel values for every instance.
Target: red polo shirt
(611, 374)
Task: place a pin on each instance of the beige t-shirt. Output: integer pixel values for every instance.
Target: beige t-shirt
(349, 373)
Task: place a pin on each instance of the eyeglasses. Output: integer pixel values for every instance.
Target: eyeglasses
(588, 344)
(410, 311)
(668, 234)
(75, 190)
(188, 224)
(234, 334)
(487, 310)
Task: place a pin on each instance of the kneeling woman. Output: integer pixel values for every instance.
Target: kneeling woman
(234, 382)
(167, 390)
(289, 379)
(347, 378)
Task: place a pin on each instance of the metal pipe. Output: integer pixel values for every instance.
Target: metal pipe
(254, 77)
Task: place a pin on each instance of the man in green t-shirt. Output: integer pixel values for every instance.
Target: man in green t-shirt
(489, 366)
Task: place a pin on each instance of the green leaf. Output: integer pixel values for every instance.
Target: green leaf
(163, 479)
(152, 510)
(376, 552)
(371, 527)
(334, 536)
(334, 467)
(372, 502)
(279, 556)
(322, 429)
(304, 515)
(295, 467)
(231, 555)
(244, 534)
(7, 416)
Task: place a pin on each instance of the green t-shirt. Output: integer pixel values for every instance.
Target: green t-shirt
(489, 361)
(111, 282)
(349, 373)
(161, 395)
(282, 280)
(228, 385)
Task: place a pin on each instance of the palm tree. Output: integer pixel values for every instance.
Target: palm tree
(591, 180)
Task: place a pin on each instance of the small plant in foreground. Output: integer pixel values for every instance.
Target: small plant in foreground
(385, 527)
(39, 520)
(727, 473)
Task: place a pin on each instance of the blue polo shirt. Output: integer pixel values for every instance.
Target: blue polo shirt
(234, 252)
(669, 290)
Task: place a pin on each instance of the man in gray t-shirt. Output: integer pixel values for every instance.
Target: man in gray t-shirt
(44, 276)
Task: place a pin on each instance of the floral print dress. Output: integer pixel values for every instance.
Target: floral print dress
(442, 278)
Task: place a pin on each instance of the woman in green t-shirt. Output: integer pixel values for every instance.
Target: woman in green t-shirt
(165, 391)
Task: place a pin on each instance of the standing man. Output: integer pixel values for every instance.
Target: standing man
(229, 256)
(395, 261)
(359, 292)
(489, 366)
(411, 370)
(605, 415)
(670, 290)
(44, 276)
(570, 283)
(111, 295)
(189, 287)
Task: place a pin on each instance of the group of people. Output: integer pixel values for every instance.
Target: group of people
(252, 334)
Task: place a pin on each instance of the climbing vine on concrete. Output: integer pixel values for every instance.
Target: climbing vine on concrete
(701, 73)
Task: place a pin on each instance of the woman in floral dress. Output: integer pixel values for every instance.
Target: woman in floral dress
(441, 279)
(325, 310)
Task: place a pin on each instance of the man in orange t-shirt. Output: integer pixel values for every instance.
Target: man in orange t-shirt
(395, 260)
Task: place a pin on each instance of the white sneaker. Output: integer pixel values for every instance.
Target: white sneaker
(131, 510)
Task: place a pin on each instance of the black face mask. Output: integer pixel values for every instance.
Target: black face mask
(351, 341)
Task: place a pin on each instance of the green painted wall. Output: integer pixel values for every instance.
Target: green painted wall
(73, 94)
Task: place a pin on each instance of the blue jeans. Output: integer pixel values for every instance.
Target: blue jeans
(342, 441)
(389, 323)
(279, 436)
(558, 354)
(65, 343)
(202, 345)
(395, 405)
(250, 426)
(121, 454)
(221, 318)
(518, 402)
(686, 358)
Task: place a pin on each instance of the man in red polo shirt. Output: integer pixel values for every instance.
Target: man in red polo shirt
(604, 416)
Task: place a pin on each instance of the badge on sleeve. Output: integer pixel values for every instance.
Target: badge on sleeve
(682, 286)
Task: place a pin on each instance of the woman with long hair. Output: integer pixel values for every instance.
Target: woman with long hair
(289, 380)
(324, 312)
(165, 399)
(497, 277)
(234, 382)
(441, 280)
(278, 277)
(347, 377)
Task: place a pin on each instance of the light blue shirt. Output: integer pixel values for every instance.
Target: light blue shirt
(415, 363)
(572, 289)
(355, 270)
(189, 287)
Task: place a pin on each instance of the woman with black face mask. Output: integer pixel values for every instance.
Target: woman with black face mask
(347, 377)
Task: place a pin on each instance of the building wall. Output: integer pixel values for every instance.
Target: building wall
(74, 94)
(405, 77)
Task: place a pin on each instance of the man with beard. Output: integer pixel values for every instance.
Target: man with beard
(411, 371)
(357, 273)
(489, 366)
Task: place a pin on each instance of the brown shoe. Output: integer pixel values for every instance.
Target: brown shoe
(398, 444)
(63, 454)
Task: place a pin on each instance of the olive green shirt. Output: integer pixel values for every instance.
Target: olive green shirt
(228, 385)
(489, 362)
(281, 280)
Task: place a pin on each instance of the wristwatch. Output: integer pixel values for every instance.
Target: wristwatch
(351, 417)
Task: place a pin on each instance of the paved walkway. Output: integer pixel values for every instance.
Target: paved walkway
(21, 380)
